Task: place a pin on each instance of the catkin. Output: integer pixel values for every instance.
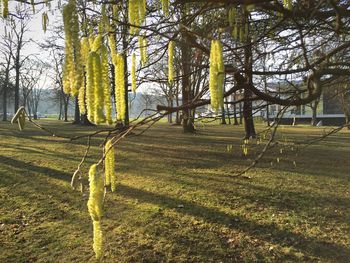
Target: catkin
(97, 245)
(5, 8)
(216, 75)
(90, 88)
(106, 84)
(110, 165)
(165, 7)
(95, 201)
(137, 14)
(98, 90)
(171, 62)
(118, 61)
(133, 72)
(143, 49)
(44, 21)
(73, 70)
(85, 49)
(94, 205)
(288, 4)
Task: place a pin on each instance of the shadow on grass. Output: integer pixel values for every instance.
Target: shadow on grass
(27, 166)
(268, 232)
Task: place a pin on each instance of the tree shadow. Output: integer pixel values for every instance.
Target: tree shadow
(268, 232)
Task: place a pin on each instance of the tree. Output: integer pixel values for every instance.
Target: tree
(287, 33)
(6, 49)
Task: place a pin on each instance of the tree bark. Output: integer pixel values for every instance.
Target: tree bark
(187, 121)
(77, 112)
(247, 104)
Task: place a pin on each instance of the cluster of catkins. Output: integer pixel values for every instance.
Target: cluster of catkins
(97, 186)
(216, 75)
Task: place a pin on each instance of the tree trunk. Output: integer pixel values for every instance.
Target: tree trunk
(223, 115)
(247, 105)
(178, 119)
(65, 110)
(77, 112)
(17, 68)
(314, 116)
(4, 102)
(187, 121)
(347, 120)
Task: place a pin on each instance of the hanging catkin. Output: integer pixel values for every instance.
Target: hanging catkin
(171, 62)
(98, 90)
(143, 49)
(216, 75)
(118, 61)
(106, 84)
(72, 72)
(110, 165)
(90, 87)
(85, 49)
(94, 205)
(133, 73)
(5, 8)
(165, 7)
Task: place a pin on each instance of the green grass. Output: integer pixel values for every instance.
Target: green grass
(175, 200)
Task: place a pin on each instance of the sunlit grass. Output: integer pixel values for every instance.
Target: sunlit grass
(175, 199)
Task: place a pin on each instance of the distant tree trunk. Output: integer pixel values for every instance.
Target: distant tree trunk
(240, 113)
(5, 89)
(65, 108)
(76, 112)
(187, 121)
(347, 120)
(178, 119)
(170, 116)
(228, 111)
(17, 70)
(223, 115)
(4, 102)
(247, 105)
(313, 106)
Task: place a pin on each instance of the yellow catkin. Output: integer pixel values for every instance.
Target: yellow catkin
(110, 165)
(95, 201)
(98, 244)
(68, 64)
(106, 84)
(90, 88)
(119, 89)
(143, 49)
(94, 205)
(98, 90)
(5, 8)
(85, 49)
(232, 16)
(81, 98)
(44, 21)
(142, 10)
(73, 71)
(133, 72)
(96, 46)
(221, 74)
(216, 75)
(165, 7)
(288, 4)
(171, 62)
(134, 16)
(112, 44)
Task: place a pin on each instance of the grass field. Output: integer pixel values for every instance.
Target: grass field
(176, 200)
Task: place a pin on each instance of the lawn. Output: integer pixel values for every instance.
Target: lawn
(177, 198)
